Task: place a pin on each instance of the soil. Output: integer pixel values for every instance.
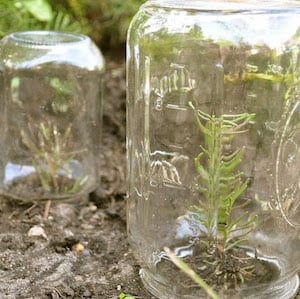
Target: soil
(226, 272)
(30, 187)
(81, 250)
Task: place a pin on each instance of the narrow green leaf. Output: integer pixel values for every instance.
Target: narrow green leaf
(40, 9)
(123, 296)
(230, 166)
(230, 178)
(231, 225)
(200, 169)
(226, 159)
(237, 192)
(235, 244)
(244, 226)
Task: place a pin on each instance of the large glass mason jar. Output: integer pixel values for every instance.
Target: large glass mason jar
(50, 115)
(213, 143)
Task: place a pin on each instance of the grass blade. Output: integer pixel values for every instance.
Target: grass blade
(192, 274)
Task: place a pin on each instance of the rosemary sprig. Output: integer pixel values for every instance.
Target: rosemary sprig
(220, 185)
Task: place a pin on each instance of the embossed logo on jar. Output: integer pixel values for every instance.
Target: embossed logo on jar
(177, 79)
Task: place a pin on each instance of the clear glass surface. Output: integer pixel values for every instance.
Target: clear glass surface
(51, 111)
(213, 140)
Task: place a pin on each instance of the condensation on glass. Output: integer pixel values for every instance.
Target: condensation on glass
(50, 118)
(213, 142)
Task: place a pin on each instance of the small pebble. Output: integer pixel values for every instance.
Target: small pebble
(37, 231)
(87, 293)
(77, 247)
(86, 252)
(112, 212)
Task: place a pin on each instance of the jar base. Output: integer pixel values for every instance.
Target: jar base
(286, 290)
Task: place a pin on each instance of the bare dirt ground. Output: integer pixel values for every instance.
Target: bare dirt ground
(81, 250)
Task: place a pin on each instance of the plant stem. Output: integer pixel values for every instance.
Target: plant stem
(213, 198)
(53, 174)
(47, 209)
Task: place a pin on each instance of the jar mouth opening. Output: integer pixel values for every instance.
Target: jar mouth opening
(47, 38)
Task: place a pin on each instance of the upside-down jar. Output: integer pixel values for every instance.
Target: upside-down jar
(50, 118)
(213, 145)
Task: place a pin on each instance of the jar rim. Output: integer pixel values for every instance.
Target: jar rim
(231, 5)
(47, 38)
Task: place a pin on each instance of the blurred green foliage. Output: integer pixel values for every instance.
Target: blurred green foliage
(105, 21)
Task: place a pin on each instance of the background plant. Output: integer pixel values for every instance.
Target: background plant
(18, 15)
(105, 21)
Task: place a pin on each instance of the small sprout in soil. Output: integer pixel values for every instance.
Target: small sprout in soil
(51, 158)
(123, 296)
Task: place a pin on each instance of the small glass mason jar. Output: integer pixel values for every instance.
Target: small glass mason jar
(50, 118)
(213, 143)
